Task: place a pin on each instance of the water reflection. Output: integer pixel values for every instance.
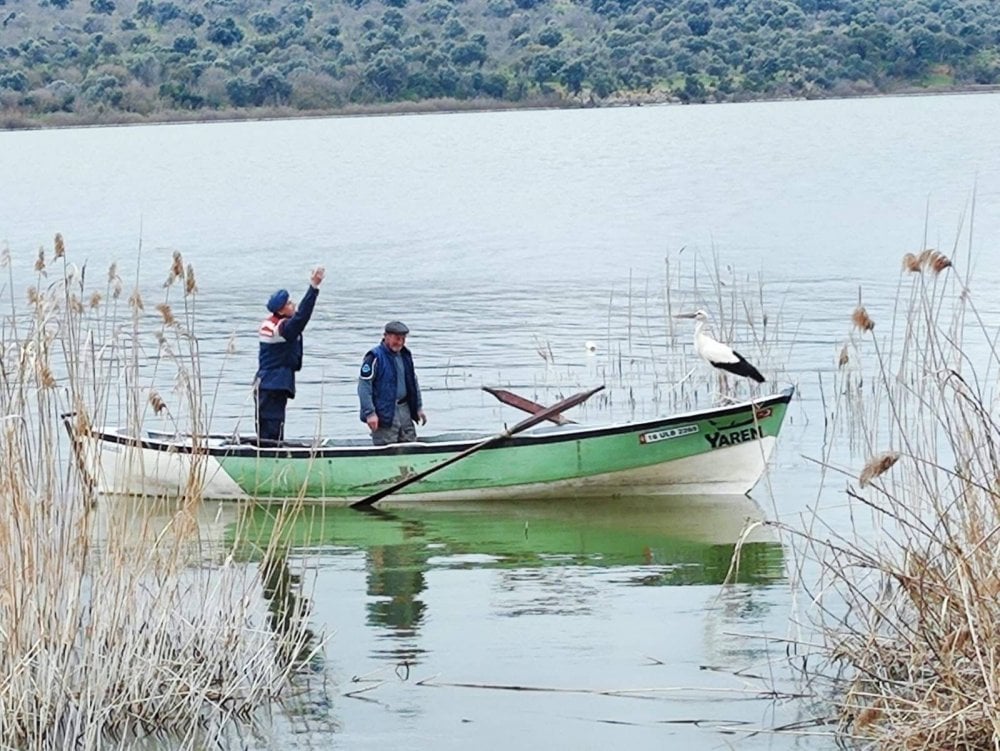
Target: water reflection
(577, 594)
(562, 552)
(190, 557)
(288, 612)
(395, 581)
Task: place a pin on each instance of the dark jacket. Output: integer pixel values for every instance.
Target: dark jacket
(280, 355)
(379, 369)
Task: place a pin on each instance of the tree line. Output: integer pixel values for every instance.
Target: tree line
(66, 61)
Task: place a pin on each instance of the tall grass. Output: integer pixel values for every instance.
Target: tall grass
(652, 367)
(120, 620)
(907, 600)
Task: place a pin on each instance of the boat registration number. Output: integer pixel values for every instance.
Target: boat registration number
(667, 433)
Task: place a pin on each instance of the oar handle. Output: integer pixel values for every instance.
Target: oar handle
(380, 494)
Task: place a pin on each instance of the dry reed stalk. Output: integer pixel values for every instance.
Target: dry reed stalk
(651, 370)
(118, 620)
(909, 611)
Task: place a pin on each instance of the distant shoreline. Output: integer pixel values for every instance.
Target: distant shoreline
(13, 121)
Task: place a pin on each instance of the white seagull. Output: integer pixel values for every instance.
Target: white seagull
(717, 354)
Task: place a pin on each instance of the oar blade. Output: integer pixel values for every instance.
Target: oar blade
(555, 409)
(525, 404)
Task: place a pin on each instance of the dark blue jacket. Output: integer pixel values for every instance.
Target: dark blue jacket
(280, 353)
(379, 368)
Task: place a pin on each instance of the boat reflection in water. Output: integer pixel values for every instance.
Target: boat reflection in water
(693, 535)
(556, 593)
(658, 541)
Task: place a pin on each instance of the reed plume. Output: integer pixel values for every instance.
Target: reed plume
(940, 263)
(156, 401)
(46, 379)
(60, 246)
(927, 260)
(135, 300)
(843, 358)
(190, 285)
(176, 269)
(878, 465)
(167, 313)
(907, 613)
(862, 321)
(123, 623)
(115, 281)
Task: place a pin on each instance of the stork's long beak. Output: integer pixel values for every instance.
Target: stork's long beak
(685, 315)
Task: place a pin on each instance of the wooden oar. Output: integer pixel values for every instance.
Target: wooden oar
(523, 425)
(523, 403)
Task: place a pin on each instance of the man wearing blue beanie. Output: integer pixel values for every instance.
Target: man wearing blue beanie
(280, 356)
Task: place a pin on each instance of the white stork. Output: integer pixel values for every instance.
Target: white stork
(716, 353)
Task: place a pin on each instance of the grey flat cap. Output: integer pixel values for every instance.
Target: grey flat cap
(396, 327)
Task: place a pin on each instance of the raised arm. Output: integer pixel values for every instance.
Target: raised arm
(290, 328)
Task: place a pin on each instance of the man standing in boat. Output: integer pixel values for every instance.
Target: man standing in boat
(388, 389)
(280, 356)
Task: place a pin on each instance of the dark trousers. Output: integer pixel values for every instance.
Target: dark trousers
(271, 414)
(401, 430)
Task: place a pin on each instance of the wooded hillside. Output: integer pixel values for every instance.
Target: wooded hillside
(125, 60)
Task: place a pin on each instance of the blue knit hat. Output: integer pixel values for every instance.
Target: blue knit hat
(278, 300)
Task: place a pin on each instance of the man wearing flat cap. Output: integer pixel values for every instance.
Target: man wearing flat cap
(388, 389)
(280, 356)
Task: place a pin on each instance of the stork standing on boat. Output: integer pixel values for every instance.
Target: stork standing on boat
(717, 354)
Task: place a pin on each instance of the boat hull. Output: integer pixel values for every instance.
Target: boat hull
(717, 451)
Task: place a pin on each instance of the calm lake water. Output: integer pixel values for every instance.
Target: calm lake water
(498, 238)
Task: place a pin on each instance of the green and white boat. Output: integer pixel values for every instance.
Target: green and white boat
(722, 450)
